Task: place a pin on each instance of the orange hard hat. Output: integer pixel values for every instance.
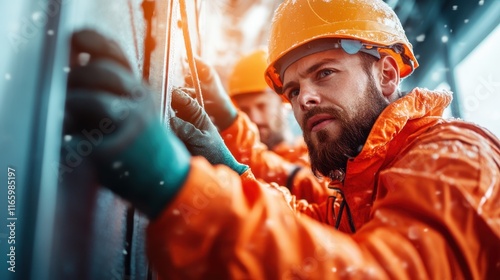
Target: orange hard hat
(248, 73)
(353, 25)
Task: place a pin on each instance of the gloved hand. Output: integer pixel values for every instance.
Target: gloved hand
(107, 107)
(217, 103)
(193, 126)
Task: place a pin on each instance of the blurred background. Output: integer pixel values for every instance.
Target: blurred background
(66, 227)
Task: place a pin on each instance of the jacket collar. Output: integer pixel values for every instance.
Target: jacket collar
(416, 104)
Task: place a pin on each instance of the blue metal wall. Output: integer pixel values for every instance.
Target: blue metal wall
(66, 226)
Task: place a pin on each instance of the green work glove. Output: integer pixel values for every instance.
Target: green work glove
(134, 155)
(216, 101)
(193, 126)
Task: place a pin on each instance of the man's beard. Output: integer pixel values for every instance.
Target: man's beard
(331, 154)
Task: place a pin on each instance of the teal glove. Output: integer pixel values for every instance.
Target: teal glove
(193, 126)
(134, 155)
(216, 101)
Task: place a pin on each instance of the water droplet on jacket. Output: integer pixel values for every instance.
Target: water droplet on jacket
(162, 182)
(124, 252)
(454, 7)
(67, 138)
(381, 216)
(50, 32)
(413, 233)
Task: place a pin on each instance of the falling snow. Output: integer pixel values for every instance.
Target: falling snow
(117, 164)
(420, 38)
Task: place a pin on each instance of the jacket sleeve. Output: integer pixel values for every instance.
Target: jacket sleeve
(433, 223)
(437, 208)
(242, 139)
(223, 226)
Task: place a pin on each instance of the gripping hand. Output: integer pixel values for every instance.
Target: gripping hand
(193, 126)
(106, 105)
(217, 103)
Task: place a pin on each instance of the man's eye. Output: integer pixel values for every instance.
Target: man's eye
(292, 94)
(325, 72)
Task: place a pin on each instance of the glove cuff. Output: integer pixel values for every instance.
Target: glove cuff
(148, 182)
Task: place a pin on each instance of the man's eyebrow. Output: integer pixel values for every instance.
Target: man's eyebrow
(311, 69)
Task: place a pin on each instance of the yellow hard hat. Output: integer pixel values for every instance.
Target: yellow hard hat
(353, 25)
(248, 73)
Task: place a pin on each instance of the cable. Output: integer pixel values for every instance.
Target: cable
(190, 53)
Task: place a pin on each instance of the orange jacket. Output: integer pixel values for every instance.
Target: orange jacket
(424, 194)
(285, 165)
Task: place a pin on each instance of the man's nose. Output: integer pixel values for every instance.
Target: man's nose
(308, 98)
(255, 116)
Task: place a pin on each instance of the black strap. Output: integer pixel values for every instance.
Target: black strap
(343, 205)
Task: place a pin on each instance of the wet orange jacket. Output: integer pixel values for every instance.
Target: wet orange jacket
(285, 165)
(423, 192)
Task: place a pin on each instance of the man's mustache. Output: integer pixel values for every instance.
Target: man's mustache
(335, 113)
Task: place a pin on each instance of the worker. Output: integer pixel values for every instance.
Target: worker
(421, 193)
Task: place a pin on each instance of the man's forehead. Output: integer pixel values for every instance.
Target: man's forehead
(309, 63)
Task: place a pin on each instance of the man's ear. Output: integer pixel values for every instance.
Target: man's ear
(388, 75)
